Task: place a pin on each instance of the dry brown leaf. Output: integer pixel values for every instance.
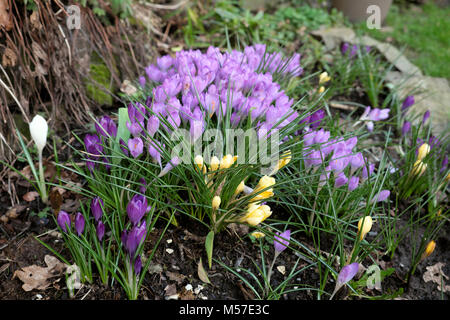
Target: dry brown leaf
(187, 295)
(70, 205)
(5, 15)
(30, 196)
(35, 277)
(55, 200)
(171, 292)
(13, 212)
(34, 20)
(127, 87)
(175, 276)
(202, 274)
(435, 274)
(9, 58)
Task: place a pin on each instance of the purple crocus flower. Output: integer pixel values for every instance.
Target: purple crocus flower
(136, 114)
(316, 118)
(153, 73)
(406, 127)
(137, 265)
(344, 47)
(100, 231)
(347, 273)
(353, 183)
(340, 180)
(169, 166)
(408, 102)
(133, 238)
(366, 174)
(154, 149)
(63, 220)
(97, 208)
(281, 240)
(357, 161)
(142, 81)
(444, 164)
(381, 196)
(136, 208)
(143, 186)
(93, 144)
(79, 223)
(136, 146)
(426, 115)
(106, 127)
(353, 51)
(152, 125)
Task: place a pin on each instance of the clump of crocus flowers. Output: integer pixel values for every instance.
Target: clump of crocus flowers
(257, 211)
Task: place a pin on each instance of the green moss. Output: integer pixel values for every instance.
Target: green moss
(99, 84)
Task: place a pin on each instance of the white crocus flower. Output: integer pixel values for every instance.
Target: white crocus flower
(39, 130)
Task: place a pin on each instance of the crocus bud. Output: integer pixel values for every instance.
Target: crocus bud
(344, 47)
(348, 273)
(143, 186)
(38, 131)
(428, 249)
(216, 202)
(136, 208)
(254, 215)
(152, 125)
(240, 188)
(63, 220)
(281, 240)
(381, 196)
(353, 183)
(426, 115)
(258, 234)
(265, 182)
(321, 89)
(408, 102)
(285, 159)
(364, 226)
(419, 168)
(136, 147)
(214, 165)
(169, 166)
(227, 161)
(324, 77)
(79, 223)
(142, 81)
(424, 149)
(137, 265)
(198, 160)
(97, 208)
(100, 230)
(406, 127)
(106, 127)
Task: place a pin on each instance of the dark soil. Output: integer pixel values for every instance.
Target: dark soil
(172, 272)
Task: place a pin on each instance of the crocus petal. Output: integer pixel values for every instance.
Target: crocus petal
(63, 220)
(348, 272)
(281, 241)
(38, 131)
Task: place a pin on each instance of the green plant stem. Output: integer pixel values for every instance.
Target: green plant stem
(44, 196)
(275, 256)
